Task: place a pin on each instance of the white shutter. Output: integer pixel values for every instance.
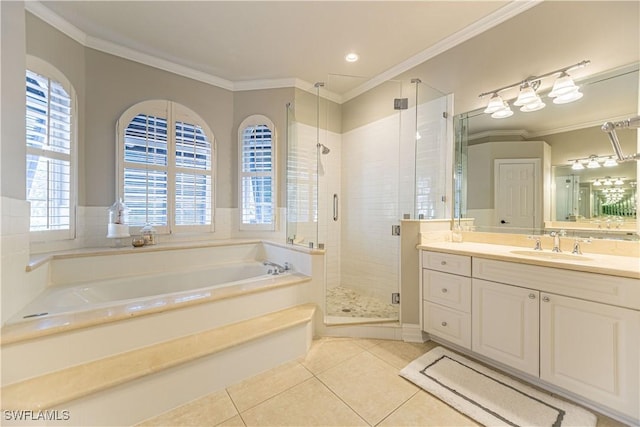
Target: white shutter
(257, 177)
(49, 154)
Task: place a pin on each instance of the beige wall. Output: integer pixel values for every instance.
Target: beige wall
(12, 133)
(115, 84)
(107, 85)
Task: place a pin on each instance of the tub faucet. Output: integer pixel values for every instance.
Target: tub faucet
(277, 267)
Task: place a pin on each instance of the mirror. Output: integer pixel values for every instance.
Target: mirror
(492, 156)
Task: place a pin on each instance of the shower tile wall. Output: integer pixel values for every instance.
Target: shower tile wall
(370, 170)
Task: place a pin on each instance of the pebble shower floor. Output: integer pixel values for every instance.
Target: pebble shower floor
(346, 302)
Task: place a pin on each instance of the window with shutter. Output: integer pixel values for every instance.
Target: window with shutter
(50, 146)
(256, 154)
(166, 167)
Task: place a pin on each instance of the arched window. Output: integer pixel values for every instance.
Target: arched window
(165, 167)
(257, 173)
(51, 123)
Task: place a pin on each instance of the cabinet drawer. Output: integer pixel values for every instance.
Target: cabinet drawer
(620, 291)
(447, 263)
(448, 324)
(450, 290)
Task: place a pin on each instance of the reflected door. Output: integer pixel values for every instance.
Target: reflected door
(515, 192)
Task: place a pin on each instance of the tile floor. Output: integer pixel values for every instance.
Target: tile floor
(340, 382)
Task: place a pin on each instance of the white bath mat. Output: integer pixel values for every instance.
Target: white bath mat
(490, 398)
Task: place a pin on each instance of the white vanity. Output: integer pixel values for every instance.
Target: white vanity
(570, 324)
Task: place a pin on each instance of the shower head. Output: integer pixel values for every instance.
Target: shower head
(325, 149)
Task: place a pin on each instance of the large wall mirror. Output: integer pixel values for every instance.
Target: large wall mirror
(546, 146)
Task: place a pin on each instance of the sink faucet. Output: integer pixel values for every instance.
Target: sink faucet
(556, 240)
(538, 246)
(576, 246)
(277, 267)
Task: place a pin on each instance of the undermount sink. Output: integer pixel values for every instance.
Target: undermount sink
(552, 255)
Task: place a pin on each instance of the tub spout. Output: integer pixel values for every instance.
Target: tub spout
(278, 269)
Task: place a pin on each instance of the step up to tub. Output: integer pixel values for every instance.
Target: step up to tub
(58, 389)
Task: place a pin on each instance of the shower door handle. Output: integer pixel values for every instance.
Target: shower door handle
(335, 207)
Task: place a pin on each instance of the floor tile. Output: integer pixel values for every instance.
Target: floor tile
(253, 391)
(399, 354)
(233, 422)
(425, 410)
(326, 353)
(368, 385)
(212, 409)
(307, 404)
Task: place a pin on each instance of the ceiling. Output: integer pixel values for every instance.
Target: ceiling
(249, 41)
(455, 46)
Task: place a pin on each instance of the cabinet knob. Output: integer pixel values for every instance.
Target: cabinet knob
(444, 323)
(532, 296)
(443, 262)
(444, 290)
(546, 299)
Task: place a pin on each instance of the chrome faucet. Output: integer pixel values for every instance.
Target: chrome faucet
(556, 240)
(278, 269)
(576, 246)
(538, 246)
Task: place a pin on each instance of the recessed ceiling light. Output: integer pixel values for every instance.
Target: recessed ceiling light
(351, 57)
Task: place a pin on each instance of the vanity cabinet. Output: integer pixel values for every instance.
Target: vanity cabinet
(573, 330)
(591, 349)
(505, 324)
(446, 293)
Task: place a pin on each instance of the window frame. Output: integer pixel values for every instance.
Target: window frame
(50, 72)
(258, 120)
(172, 112)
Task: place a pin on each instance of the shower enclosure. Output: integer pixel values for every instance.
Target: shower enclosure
(355, 169)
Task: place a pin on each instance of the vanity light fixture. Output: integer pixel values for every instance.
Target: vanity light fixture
(618, 181)
(610, 162)
(593, 162)
(577, 165)
(607, 181)
(503, 113)
(597, 183)
(564, 91)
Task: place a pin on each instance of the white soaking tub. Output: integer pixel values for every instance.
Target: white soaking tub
(149, 291)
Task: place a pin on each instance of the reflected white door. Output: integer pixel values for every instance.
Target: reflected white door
(516, 192)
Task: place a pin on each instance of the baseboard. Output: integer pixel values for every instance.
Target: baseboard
(412, 332)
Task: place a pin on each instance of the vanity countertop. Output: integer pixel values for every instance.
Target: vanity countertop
(614, 265)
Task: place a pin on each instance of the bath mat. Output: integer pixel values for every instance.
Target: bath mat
(490, 398)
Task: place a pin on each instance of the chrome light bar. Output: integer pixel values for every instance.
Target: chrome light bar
(610, 129)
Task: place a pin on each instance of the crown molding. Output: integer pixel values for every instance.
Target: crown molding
(504, 13)
(56, 21)
(156, 62)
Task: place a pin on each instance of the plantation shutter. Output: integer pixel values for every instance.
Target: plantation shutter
(257, 176)
(48, 139)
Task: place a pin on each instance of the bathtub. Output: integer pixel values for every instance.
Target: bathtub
(146, 292)
(89, 288)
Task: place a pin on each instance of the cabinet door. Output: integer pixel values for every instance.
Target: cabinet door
(591, 349)
(505, 324)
